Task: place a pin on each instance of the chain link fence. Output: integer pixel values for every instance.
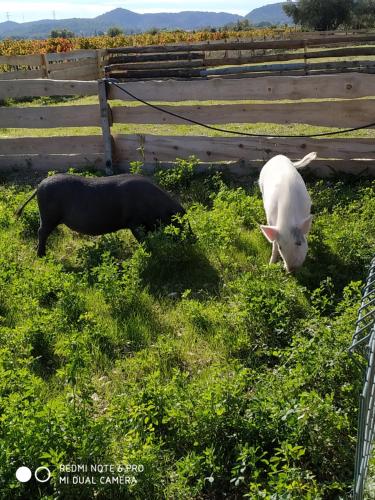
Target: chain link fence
(364, 344)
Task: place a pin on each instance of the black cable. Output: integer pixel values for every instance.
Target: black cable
(210, 127)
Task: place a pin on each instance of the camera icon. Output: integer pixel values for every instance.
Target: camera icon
(42, 474)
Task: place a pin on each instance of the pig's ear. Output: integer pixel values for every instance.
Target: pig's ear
(306, 225)
(270, 232)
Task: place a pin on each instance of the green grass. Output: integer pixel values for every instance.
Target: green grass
(218, 373)
(270, 129)
(172, 129)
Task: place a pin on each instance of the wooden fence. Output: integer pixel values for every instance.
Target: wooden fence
(289, 54)
(245, 57)
(309, 101)
(74, 65)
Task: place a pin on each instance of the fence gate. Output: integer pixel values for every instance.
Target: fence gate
(364, 343)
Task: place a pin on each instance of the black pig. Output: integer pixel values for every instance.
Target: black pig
(101, 205)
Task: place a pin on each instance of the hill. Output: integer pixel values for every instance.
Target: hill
(132, 22)
(272, 14)
(127, 20)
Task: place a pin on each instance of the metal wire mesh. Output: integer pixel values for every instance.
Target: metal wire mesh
(364, 344)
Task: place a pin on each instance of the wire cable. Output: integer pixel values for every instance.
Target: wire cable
(211, 127)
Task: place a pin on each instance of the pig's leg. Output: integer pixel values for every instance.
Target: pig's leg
(275, 253)
(138, 233)
(43, 232)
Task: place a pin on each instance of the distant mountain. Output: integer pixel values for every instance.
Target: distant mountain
(127, 20)
(131, 22)
(272, 13)
(42, 29)
(186, 20)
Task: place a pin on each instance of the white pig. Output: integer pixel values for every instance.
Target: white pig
(287, 205)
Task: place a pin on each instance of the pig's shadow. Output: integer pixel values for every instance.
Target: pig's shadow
(321, 263)
(185, 267)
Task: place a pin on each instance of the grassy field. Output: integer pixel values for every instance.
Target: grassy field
(213, 372)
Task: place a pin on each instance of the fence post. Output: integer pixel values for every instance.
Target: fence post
(305, 56)
(44, 65)
(100, 54)
(106, 122)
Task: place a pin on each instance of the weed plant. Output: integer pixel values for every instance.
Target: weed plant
(190, 356)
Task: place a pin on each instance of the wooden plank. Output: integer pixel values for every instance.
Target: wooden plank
(21, 74)
(244, 169)
(345, 114)
(66, 66)
(50, 116)
(44, 87)
(232, 77)
(290, 56)
(301, 72)
(73, 55)
(344, 65)
(161, 148)
(44, 66)
(62, 163)
(106, 122)
(328, 168)
(157, 73)
(341, 52)
(263, 88)
(101, 60)
(83, 72)
(257, 75)
(89, 74)
(196, 63)
(46, 163)
(176, 56)
(28, 60)
(86, 144)
(240, 45)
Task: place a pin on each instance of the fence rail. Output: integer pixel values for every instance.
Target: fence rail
(335, 101)
(73, 65)
(193, 59)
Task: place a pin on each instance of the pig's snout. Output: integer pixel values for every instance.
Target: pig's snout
(291, 269)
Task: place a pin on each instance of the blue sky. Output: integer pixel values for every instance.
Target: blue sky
(29, 10)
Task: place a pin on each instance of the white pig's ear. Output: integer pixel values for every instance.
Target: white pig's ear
(270, 232)
(306, 225)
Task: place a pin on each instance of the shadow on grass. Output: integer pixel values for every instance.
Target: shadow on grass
(176, 266)
(322, 263)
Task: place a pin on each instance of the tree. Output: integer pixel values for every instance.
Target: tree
(61, 34)
(239, 25)
(320, 14)
(115, 31)
(364, 14)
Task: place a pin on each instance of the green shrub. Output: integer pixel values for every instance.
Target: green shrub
(180, 176)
